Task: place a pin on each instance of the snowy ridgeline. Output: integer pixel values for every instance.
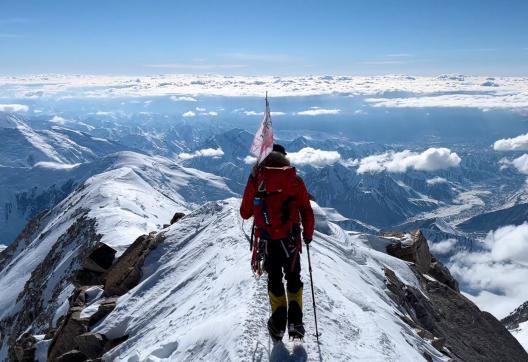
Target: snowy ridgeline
(198, 299)
(136, 195)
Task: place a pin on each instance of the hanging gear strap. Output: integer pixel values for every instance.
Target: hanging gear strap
(296, 233)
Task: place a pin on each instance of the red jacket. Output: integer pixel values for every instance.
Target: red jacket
(305, 214)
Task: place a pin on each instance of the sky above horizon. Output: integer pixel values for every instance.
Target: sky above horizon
(254, 38)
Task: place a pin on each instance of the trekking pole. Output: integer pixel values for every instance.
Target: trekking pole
(313, 295)
(252, 235)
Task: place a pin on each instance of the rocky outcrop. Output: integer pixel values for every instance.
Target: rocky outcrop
(95, 265)
(25, 348)
(440, 313)
(413, 247)
(518, 316)
(37, 310)
(79, 262)
(126, 271)
(410, 247)
(73, 337)
(73, 340)
(177, 216)
(440, 272)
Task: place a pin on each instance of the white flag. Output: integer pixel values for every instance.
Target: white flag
(263, 141)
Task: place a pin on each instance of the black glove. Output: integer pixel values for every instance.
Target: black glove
(307, 241)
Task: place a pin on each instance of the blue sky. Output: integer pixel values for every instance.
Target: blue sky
(264, 37)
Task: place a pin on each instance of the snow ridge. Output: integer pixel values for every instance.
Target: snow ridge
(198, 299)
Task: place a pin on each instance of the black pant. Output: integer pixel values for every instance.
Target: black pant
(281, 260)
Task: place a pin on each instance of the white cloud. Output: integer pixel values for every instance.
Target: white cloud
(519, 143)
(212, 113)
(509, 243)
(318, 112)
(188, 114)
(183, 99)
(200, 109)
(443, 246)
(58, 120)
(103, 113)
(206, 152)
(13, 108)
(436, 180)
(272, 113)
(520, 163)
(432, 159)
(314, 157)
(250, 160)
(498, 272)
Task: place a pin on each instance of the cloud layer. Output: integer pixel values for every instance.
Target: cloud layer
(442, 91)
(13, 108)
(432, 159)
(498, 272)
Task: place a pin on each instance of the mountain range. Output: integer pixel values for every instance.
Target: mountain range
(93, 268)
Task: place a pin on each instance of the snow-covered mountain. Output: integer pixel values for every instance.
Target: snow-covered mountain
(517, 324)
(88, 199)
(514, 215)
(23, 146)
(186, 290)
(134, 195)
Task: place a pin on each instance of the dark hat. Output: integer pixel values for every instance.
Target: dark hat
(279, 148)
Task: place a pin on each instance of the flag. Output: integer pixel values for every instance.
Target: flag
(263, 141)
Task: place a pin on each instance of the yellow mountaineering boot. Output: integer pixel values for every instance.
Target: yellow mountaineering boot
(295, 323)
(277, 321)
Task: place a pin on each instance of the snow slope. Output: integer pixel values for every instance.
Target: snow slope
(136, 195)
(23, 146)
(521, 333)
(198, 300)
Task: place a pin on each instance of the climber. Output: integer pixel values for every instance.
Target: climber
(278, 200)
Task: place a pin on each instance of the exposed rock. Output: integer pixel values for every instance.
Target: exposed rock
(79, 297)
(87, 277)
(64, 340)
(34, 310)
(115, 342)
(177, 216)
(100, 258)
(517, 317)
(460, 329)
(126, 271)
(25, 348)
(90, 344)
(413, 247)
(72, 356)
(440, 272)
(410, 247)
(106, 307)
